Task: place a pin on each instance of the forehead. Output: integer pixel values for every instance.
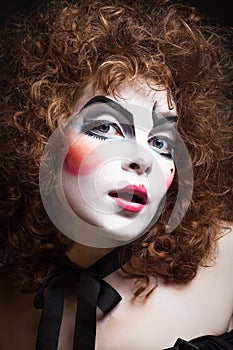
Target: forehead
(133, 95)
(146, 104)
(146, 97)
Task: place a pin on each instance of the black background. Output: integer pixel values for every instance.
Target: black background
(220, 12)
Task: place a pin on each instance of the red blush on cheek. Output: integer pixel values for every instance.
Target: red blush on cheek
(80, 160)
(169, 178)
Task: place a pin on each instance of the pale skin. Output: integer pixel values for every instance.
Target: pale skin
(114, 146)
(203, 306)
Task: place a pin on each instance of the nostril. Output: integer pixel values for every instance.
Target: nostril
(134, 166)
(140, 166)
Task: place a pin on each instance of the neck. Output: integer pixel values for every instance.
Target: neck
(85, 256)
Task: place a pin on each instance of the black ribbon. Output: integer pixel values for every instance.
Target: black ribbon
(93, 291)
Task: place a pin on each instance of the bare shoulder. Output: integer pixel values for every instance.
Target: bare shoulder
(224, 263)
(223, 256)
(225, 241)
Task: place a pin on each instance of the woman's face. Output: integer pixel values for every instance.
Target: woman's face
(119, 160)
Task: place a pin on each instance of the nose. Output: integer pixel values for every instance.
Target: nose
(140, 165)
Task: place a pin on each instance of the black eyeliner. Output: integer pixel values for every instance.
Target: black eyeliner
(91, 124)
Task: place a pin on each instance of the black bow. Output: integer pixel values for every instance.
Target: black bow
(93, 291)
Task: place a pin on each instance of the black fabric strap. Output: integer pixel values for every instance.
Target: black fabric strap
(93, 291)
(207, 342)
(51, 317)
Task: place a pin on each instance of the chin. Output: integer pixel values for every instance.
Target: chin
(125, 235)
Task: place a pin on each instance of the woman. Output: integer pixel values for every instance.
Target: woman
(104, 204)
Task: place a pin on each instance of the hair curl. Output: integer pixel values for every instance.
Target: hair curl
(49, 57)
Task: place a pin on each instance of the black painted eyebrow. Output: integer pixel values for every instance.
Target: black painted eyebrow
(159, 119)
(114, 105)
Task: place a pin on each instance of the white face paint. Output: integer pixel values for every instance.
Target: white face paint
(119, 163)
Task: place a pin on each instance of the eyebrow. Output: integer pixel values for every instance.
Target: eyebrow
(114, 105)
(159, 119)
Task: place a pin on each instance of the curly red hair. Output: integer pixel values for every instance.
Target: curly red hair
(47, 59)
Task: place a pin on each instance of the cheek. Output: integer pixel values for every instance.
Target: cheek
(81, 159)
(168, 173)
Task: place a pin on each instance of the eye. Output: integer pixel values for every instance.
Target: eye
(161, 146)
(105, 131)
(158, 143)
(104, 128)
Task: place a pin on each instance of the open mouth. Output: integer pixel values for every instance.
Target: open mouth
(130, 198)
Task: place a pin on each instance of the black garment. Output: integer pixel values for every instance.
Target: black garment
(93, 291)
(207, 342)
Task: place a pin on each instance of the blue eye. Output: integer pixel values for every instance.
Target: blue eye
(104, 131)
(162, 147)
(103, 128)
(158, 143)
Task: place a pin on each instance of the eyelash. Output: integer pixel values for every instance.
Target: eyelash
(96, 135)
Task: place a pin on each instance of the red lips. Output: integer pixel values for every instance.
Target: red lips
(131, 198)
